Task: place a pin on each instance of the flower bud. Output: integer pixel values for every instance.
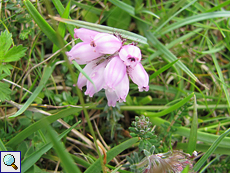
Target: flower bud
(106, 43)
(114, 72)
(82, 53)
(130, 54)
(139, 76)
(85, 35)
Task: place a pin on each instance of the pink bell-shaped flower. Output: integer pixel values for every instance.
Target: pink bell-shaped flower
(82, 80)
(112, 97)
(122, 89)
(82, 53)
(139, 76)
(106, 43)
(130, 54)
(86, 35)
(114, 72)
(97, 76)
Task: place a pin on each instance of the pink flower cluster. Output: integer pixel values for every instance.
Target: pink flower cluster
(109, 64)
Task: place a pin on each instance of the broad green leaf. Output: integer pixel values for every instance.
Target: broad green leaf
(5, 68)
(67, 161)
(5, 43)
(106, 29)
(208, 153)
(40, 124)
(96, 167)
(33, 158)
(4, 91)
(46, 75)
(15, 53)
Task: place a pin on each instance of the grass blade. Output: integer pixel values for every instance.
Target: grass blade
(96, 167)
(106, 29)
(204, 158)
(46, 74)
(193, 19)
(40, 124)
(33, 158)
(171, 108)
(193, 132)
(66, 160)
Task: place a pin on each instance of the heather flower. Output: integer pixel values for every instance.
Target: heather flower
(139, 76)
(82, 53)
(108, 64)
(98, 79)
(114, 72)
(112, 97)
(86, 35)
(130, 54)
(122, 89)
(106, 43)
(82, 80)
(120, 92)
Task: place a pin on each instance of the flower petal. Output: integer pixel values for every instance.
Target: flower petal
(122, 89)
(82, 53)
(111, 97)
(130, 54)
(139, 76)
(106, 43)
(82, 80)
(85, 35)
(114, 72)
(98, 79)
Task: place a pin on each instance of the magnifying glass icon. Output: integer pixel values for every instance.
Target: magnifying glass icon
(9, 160)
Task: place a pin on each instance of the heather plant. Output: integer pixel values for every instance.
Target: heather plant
(115, 86)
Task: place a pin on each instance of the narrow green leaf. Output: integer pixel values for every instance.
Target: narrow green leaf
(171, 108)
(124, 6)
(83, 72)
(106, 29)
(161, 70)
(2, 146)
(67, 161)
(44, 26)
(62, 26)
(193, 132)
(204, 158)
(58, 5)
(96, 167)
(33, 158)
(193, 19)
(40, 124)
(46, 75)
(221, 78)
(89, 8)
(201, 136)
